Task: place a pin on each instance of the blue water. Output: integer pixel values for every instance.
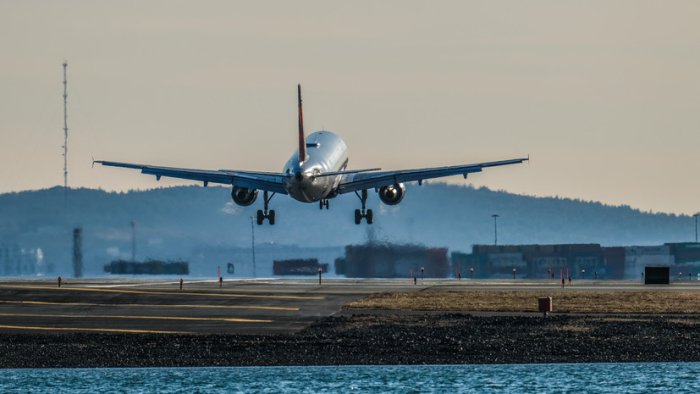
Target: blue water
(537, 378)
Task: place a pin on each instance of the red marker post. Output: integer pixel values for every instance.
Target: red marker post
(181, 281)
(59, 281)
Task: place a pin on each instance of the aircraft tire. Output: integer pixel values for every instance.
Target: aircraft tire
(260, 217)
(271, 217)
(358, 216)
(369, 216)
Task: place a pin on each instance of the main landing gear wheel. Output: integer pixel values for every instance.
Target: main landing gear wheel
(325, 203)
(367, 214)
(265, 213)
(363, 213)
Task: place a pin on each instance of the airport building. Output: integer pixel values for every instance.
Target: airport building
(537, 261)
(380, 260)
(638, 257)
(244, 262)
(687, 259)
(19, 261)
(588, 261)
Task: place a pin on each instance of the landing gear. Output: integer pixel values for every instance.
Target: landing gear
(367, 215)
(325, 203)
(363, 213)
(263, 214)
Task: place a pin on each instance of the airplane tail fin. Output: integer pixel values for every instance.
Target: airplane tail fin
(302, 141)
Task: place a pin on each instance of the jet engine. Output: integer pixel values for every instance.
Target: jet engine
(392, 194)
(243, 196)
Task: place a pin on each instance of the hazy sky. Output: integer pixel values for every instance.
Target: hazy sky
(604, 96)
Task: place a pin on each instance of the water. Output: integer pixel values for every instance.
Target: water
(535, 378)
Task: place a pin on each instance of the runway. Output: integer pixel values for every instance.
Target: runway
(262, 306)
(159, 306)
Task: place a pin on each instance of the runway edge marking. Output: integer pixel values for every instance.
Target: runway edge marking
(266, 308)
(223, 319)
(273, 297)
(114, 330)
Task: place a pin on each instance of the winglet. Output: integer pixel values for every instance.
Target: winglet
(93, 162)
(302, 142)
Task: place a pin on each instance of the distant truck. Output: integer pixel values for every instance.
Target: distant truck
(298, 267)
(150, 267)
(660, 275)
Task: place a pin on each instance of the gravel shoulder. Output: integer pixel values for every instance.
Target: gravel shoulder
(431, 338)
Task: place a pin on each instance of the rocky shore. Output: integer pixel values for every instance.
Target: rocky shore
(446, 338)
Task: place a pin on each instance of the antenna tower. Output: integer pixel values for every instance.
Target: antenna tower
(65, 129)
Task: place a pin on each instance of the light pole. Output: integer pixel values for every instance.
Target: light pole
(495, 228)
(252, 242)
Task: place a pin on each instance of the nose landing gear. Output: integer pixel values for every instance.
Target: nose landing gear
(363, 213)
(264, 213)
(324, 203)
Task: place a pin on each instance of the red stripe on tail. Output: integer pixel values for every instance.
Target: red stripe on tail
(302, 142)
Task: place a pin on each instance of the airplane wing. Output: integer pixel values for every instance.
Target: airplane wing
(270, 181)
(371, 180)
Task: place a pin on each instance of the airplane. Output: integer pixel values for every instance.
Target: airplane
(316, 172)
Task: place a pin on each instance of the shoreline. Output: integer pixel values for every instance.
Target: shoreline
(381, 338)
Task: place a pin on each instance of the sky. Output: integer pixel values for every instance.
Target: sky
(603, 96)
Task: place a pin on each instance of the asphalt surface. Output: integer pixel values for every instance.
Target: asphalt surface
(159, 306)
(261, 306)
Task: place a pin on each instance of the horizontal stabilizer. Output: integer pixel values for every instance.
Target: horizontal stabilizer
(347, 172)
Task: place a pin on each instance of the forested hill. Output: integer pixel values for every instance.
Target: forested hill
(173, 222)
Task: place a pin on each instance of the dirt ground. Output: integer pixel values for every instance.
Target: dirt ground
(636, 302)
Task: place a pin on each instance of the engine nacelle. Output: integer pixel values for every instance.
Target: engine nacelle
(392, 194)
(243, 196)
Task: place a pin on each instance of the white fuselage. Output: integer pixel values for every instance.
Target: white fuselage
(325, 152)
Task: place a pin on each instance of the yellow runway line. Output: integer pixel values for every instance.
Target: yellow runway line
(115, 330)
(223, 319)
(264, 308)
(101, 290)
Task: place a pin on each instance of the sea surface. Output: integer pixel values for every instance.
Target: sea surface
(523, 378)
